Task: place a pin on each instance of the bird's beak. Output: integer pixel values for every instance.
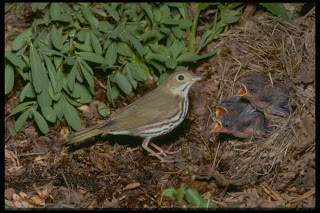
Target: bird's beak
(220, 111)
(242, 91)
(217, 127)
(197, 78)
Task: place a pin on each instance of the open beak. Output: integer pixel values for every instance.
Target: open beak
(242, 91)
(220, 111)
(217, 127)
(197, 78)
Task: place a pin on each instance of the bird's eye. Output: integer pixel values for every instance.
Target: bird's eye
(180, 77)
(252, 89)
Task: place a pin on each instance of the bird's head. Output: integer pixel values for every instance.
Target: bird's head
(180, 82)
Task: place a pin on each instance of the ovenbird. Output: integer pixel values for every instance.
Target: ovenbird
(154, 114)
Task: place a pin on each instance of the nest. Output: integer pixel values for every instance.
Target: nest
(282, 52)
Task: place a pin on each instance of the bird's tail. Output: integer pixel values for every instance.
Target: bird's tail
(84, 134)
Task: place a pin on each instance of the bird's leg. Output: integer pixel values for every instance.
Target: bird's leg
(145, 146)
(159, 149)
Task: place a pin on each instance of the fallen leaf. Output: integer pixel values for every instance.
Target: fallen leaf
(131, 186)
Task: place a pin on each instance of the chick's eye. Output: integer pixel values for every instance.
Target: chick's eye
(180, 77)
(252, 89)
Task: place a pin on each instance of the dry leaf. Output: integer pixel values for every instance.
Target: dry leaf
(131, 186)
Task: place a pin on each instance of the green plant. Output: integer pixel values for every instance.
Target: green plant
(58, 55)
(225, 15)
(278, 9)
(189, 197)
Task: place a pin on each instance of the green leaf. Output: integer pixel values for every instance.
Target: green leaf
(92, 57)
(193, 57)
(41, 122)
(136, 43)
(109, 92)
(91, 19)
(140, 70)
(87, 76)
(59, 107)
(99, 12)
(169, 192)
(103, 109)
(95, 44)
(37, 70)
(53, 95)
(50, 52)
(181, 192)
(148, 9)
(171, 63)
(83, 47)
(55, 10)
(162, 77)
(57, 60)
(230, 16)
(80, 91)
(278, 10)
(111, 11)
(175, 49)
(15, 60)
(72, 116)
(21, 120)
(8, 79)
(133, 82)
(72, 76)
(22, 39)
(49, 114)
(56, 37)
(65, 17)
(123, 82)
(177, 32)
(12, 132)
(38, 6)
(27, 91)
(184, 23)
(111, 54)
(88, 68)
(21, 107)
(52, 73)
(169, 21)
(44, 98)
(124, 49)
(193, 197)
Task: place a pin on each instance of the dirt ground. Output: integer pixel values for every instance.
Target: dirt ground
(274, 171)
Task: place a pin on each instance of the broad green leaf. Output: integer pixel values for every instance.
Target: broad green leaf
(148, 9)
(52, 73)
(70, 60)
(49, 114)
(22, 39)
(133, 82)
(41, 122)
(162, 77)
(99, 12)
(123, 82)
(83, 47)
(81, 35)
(72, 76)
(184, 23)
(57, 60)
(44, 98)
(95, 44)
(12, 132)
(175, 49)
(54, 95)
(193, 57)
(65, 17)
(181, 192)
(38, 6)
(27, 91)
(59, 107)
(115, 33)
(72, 116)
(111, 54)
(136, 43)
(177, 32)
(21, 51)
(112, 12)
(55, 10)
(141, 69)
(124, 49)
(21, 107)
(92, 57)
(15, 60)
(50, 52)
(171, 63)
(37, 70)
(39, 22)
(278, 9)
(169, 21)
(87, 76)
(86, 66)
(105, 27)
(8, 79)
(230, 16)
(193, 197)
(56, 37)
(169, 192)
(21, 120)
(91, 19)
(80, 91)
(103, 109)
(148, 34)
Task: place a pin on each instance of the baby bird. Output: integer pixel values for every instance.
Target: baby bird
(239, 118)
(270, 99)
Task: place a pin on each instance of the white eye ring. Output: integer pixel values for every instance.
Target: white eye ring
(180, 77)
